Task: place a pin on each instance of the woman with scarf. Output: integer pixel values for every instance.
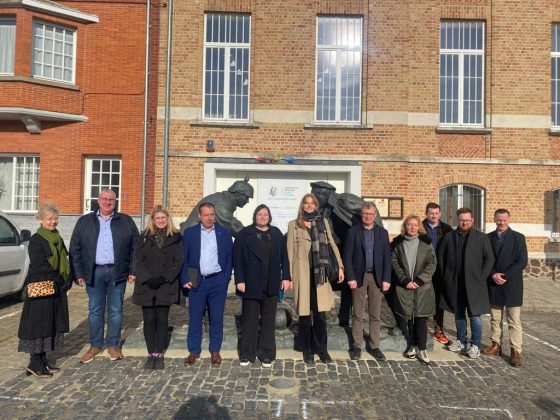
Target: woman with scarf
(158, 259)
(45, 320)
(309, 237)
(414, 263)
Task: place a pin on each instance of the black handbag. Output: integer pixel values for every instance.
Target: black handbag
(332, 268)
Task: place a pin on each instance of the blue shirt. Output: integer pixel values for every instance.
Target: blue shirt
(208, 252)
(104, 254)
(433, 234)
(369, 242)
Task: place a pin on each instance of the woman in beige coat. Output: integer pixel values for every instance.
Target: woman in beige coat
(308, 239)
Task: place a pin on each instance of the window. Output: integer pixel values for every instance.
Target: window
(8, 234)
(53, 52)
(101, 173)
(339, 70)
(7, 45)
(19, 183)
(461, 73)
(226, 66)
(453, 197)
(555, 75)
(556, 214)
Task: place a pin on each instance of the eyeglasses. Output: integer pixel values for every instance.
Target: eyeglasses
(465, 221)
(107, 200)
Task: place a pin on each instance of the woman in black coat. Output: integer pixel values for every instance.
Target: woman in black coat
(158, 258)
(45, 320)
(261, 268)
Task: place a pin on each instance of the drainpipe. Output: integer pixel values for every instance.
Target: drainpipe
(167, 102)
(146, 84)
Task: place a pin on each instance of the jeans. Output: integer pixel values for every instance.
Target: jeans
(461, 321)
(105, 293)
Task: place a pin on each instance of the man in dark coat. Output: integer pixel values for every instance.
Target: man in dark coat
(466, 259)
(505, 285)
(436, 230)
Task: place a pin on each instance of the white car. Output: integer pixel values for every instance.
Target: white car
(14, 259)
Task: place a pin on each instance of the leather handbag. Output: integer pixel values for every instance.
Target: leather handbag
(332, 268)
(41, 289)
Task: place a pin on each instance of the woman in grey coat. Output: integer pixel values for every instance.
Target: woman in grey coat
(414, 263)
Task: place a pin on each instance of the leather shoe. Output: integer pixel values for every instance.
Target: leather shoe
(308, 357)
(378, 354)
(215, 357)
(191, 358)
(515, 359)
(325, 357)
(494, 350)
(355, 353)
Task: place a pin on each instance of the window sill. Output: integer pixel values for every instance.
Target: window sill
(224, 124)
(462, 130)
(43, 82)
(554, 131)
(318, 126)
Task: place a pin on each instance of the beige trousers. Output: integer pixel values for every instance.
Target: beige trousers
(514, 325)
(374, 295)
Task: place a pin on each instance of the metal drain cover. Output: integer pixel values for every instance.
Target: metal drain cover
(282, 383)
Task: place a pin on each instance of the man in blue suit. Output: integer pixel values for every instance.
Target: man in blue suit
(367, 263)
(206, 273)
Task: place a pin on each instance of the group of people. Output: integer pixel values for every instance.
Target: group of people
(428, 268)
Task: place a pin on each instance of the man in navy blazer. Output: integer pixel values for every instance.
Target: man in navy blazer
(367, 263)
(208, 256)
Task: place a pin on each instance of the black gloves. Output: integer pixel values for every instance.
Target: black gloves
(156, 282)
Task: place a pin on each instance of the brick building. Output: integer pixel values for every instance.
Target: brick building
(71, 105)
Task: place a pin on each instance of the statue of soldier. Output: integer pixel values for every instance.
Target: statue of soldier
(225, 202)
(343, 210)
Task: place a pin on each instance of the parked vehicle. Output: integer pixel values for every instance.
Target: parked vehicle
(14, 259)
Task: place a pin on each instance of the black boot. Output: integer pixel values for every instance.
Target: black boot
(36, 367)
(51, 368)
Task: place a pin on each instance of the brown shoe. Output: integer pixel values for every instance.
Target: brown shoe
(515, 359)
(90, 355)
(215, 357)
(191, 358)
(494, 350)
(115, 353)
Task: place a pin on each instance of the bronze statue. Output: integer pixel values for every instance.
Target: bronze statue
(225, 202)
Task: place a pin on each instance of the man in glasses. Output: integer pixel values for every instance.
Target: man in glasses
(466, 260)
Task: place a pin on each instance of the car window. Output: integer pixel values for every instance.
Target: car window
(8, 234)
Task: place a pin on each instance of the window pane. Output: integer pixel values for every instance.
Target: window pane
(7, 45)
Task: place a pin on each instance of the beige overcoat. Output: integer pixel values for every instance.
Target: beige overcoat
(299, 245)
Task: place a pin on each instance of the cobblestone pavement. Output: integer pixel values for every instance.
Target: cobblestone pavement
(483, 388)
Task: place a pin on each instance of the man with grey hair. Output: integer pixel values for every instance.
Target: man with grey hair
(367, 262)
(102, 247)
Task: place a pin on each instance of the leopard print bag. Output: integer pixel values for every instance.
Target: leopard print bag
(41, 289)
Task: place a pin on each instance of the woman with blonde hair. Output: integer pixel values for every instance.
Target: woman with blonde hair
(309, 237)
(158, 259)
(414, 263)
(45, 320)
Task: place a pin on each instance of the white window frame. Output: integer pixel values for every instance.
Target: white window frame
(227, 46)
(461, 53)
(35, 162)
(338, 49)
(88, 179)
(555, 56)
(10, 21)
(42, 64)
(480, 221)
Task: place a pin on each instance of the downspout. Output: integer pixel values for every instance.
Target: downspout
(146, 84)
(167, 102)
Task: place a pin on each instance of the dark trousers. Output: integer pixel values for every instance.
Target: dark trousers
(418, 332)
(258, 329)
(312, 329)
(345, 310)
(155, 327)
(438, 317)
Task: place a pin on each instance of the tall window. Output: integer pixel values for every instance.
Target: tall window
(53, 52)
(101, 173)
(453, 197)
(555, 75)
(226, 66)
(339, 69)
(556, 214)
(19, 183)
(461, 73)
(7, 45)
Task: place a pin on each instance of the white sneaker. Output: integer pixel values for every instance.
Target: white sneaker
(423, 357)
(410, 353)
(473, 352)
(456, 347)
(244, 362)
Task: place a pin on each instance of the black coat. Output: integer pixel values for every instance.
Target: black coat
(151, 262)
(248, 259)
(510, 260)
(478, 263)
(354, 255)
(48, 316)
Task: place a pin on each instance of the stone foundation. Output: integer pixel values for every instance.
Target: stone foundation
(543, 269)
